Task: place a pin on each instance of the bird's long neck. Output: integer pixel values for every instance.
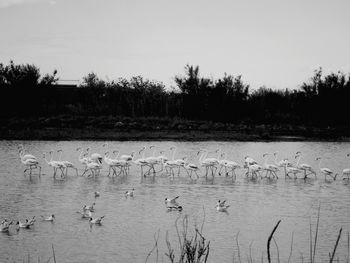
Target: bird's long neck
(266, 157)
(276, 159)
(81, 153)
(319, 164)
(174, 150)
(298, 160)
(44, 156)
(51, 155)
(60, 155)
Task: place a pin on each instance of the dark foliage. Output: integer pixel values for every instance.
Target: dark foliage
(320, 102)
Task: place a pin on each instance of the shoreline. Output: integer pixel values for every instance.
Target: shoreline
(86, 134)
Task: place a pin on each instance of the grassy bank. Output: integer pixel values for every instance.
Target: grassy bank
(123, 128)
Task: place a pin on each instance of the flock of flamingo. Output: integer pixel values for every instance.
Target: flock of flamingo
(119, 165)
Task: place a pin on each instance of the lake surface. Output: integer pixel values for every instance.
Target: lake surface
(127, 232)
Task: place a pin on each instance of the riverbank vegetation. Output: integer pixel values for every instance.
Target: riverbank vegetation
(34, 103)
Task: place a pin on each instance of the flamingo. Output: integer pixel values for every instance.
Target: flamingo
(326, 171)
(270, 168)
(67, 164)
(252, 166)
(192, 168)
(346, 171)
(94, 168)
(283, 163)
(54, 165)
(112, 164)
(178, 162)
(171, 164)
(142, 161)
(121, 164)
(31, 164)
(304, 166)
(24, 156)
(230, 165)
(222, 163)
(95, 157)
(208, 163)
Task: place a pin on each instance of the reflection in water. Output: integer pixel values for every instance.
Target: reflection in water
(129, 225)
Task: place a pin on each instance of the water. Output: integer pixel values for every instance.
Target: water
(128, 230)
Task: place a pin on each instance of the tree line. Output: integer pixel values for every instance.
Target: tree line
(321, 101)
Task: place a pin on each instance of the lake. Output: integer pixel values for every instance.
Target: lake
(130, 224)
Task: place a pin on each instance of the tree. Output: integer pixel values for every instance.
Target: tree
(93, 81)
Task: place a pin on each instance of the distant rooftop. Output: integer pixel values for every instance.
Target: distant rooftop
(68, 82)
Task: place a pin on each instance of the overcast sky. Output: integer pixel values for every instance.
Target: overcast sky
(274, 43)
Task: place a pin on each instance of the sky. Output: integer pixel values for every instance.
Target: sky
(272, 43)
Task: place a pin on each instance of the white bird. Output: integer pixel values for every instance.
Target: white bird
(25, 156)
(55, 165)
(192, 168)
(221, 203)
(283, 163)
(97, 220)
(130, 193)
(48, 218)
(270, 168)
(67, 164)
(89, 208)
(142, 161)
(304, 166)
(5, 226)
(85, 214)
(171, 200)
(31, 164)
(326, 171)
(222, 208)
(23, 225)
(95, 157)
(208, 163)
(31, 221)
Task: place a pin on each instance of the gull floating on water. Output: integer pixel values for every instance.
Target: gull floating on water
(130, 193)
(90, 208)
(221, 207)
(96, 220)
(48, 218)
(171, 201)
(86, 214)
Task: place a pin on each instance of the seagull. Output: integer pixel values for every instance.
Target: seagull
(49, 218)
(130, 193)
(5, 226)
(221, 207)
(90, 208)
(171, 201)
(221, 203)
(96, 220)
(31, 221)
(86, 214)
(23, 225)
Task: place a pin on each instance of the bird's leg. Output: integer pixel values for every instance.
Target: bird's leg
(219, 173)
